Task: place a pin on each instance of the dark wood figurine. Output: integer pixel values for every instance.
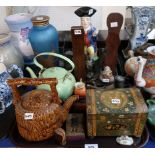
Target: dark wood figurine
(77, 33)
(114, 23)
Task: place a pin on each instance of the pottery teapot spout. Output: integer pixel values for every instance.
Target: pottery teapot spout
(68, 103)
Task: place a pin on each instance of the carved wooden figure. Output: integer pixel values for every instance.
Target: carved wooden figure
(114, 23)
(77, 33)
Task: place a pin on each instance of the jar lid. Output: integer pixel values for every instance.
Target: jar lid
(40, 20)
(4, 37)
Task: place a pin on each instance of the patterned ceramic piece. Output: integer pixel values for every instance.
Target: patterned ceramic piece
(5, 91)
(143, 21)
(145, 77)
(131, 66)
(142, 26)
(124, 140)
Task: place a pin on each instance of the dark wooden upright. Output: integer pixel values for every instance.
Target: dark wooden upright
(114, 23)
(77, 33)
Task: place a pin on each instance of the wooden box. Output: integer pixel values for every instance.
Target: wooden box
(115, 112)
(74, 127)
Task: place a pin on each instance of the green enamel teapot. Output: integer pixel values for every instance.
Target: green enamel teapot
(151, 113)
(66, 80)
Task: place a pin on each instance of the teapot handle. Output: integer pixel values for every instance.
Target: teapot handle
(56, 55)
(13, 83)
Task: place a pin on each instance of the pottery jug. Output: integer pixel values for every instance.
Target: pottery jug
(19, 25)
(5, 91)
(142, 25)
(66, 80)
(43, 36)
(8, 53)
(39, 113)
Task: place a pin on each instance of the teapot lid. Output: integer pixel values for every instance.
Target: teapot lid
(37, 99)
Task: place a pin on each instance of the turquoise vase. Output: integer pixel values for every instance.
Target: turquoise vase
(43, 36)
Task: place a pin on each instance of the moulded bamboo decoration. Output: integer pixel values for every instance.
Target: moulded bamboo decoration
(39, 114)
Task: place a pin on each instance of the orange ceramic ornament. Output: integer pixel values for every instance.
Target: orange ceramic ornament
(80, 89)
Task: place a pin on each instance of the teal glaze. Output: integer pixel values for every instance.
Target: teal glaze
(44, 38)
(65, 85)
(151, 114)
(66, 80)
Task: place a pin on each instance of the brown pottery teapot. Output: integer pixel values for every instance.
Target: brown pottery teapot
(39, 113)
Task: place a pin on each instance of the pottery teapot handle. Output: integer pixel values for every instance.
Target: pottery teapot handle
(13, 83)
(56, 55)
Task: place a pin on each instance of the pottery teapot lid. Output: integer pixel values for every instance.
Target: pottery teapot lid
(40, 20)
(37, 99)
(4, 37)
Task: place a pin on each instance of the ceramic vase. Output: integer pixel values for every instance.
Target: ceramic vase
(6, 93)
(19, 25)
(8, 53)
(43, 36)
(142, 25)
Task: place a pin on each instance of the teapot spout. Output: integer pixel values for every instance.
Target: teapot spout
(70, 101)
(31, 72)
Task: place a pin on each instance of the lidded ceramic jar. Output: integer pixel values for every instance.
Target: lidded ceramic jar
(8, 53)
(19, 25)
(43, 36)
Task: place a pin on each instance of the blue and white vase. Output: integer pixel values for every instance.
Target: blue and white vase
(5, 91)
(142, 25)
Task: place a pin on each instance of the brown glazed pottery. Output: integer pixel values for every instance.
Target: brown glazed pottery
(39, 114)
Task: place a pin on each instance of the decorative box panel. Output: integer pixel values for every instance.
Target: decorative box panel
(115, 112)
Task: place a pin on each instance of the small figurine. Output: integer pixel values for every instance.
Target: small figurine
(124, 140)
(106, 75)
(85, 14)
(90, 43)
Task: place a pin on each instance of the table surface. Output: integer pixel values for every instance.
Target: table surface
(6, 143)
